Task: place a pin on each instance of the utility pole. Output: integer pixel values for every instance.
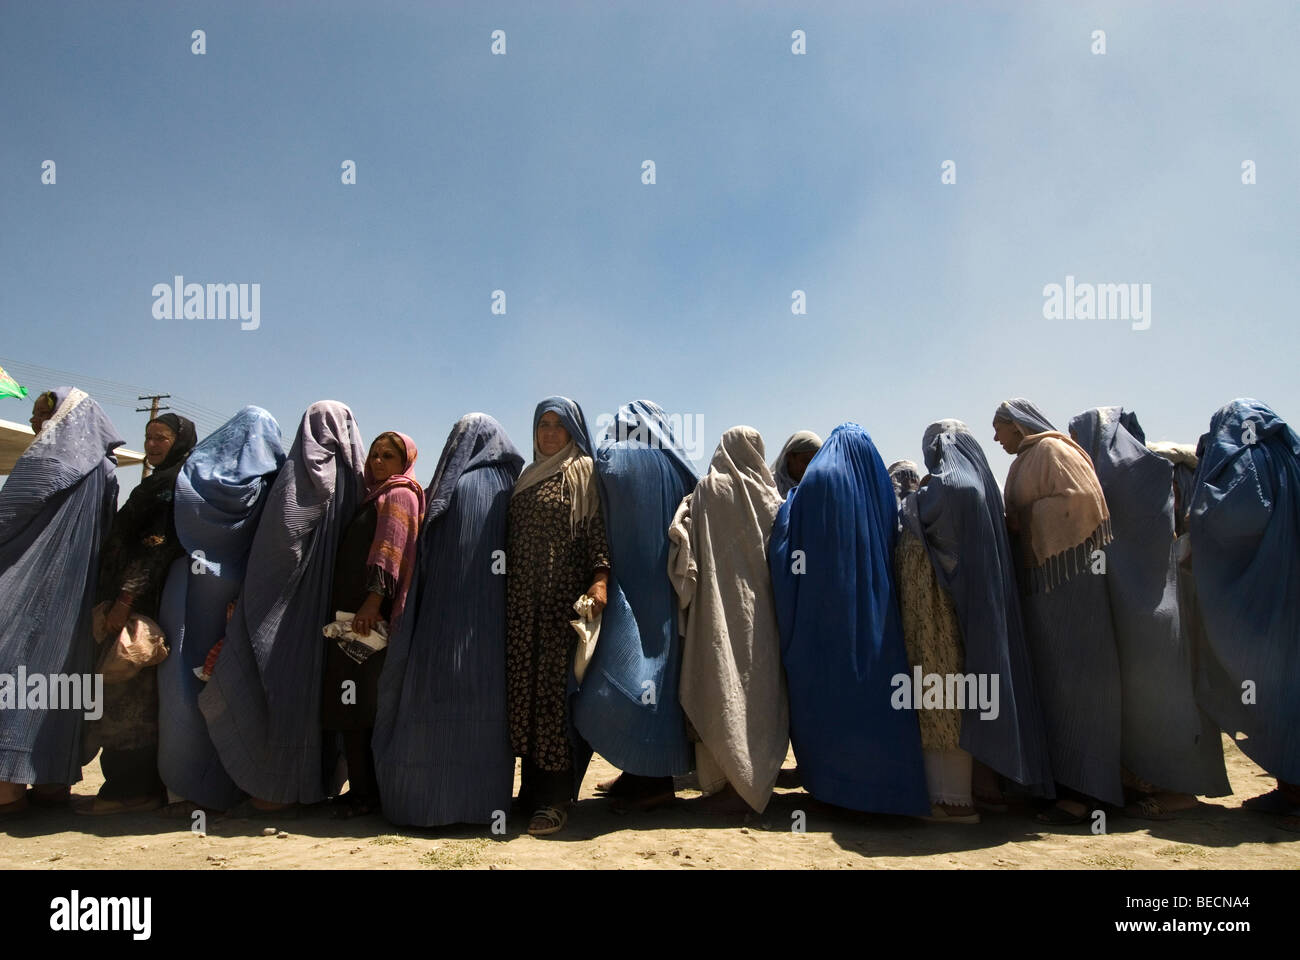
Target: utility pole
(153, 415)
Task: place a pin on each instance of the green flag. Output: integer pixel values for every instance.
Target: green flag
(9, 387)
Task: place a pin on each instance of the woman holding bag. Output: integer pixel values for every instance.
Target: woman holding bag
(556, 549)
(133, 568)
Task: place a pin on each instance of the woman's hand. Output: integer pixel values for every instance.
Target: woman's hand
(597, 590)
(115, 622)
(367, 616)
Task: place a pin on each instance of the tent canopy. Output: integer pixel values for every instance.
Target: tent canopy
(17, 437)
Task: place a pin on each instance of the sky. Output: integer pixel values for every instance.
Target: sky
(775, 172)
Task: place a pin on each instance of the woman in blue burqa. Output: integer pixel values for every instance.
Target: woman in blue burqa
(262, 705)
(957, 519)
(132, 571)
(556, 551)
(55, 510)
(627, 707)
(1172, 752)
(1244, 527)
(220, 494)
(441, 741)
(831, 556)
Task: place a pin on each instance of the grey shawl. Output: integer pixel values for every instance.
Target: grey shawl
(732, 683)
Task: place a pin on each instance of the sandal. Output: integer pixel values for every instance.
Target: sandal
(1057, 816)
(245, 810)
(939, 815)
(644, 804)
(106, 807)
(1147, 807)
(182, 810)
(546, 821)
(353, 808)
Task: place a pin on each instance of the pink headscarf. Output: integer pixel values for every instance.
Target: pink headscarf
(400, 510)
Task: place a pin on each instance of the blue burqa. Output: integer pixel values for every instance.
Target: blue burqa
(1165, 739)
(831, 555)
(628, 708)
(441, 741)
(1245, 540)
(959, 516)
(262, 704)
(55, 510)
(220, 493)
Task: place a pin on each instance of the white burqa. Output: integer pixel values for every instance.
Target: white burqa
(732, 683)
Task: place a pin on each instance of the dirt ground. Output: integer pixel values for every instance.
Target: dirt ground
(682, 835)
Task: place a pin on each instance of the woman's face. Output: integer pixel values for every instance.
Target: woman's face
(385, 459)
(41, 411)
(797, 463)
(551, 435)
(1008, 434)
(158, 440)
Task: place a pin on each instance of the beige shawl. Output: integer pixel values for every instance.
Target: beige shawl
(1055, 504)
(577, 470)
(732, 684)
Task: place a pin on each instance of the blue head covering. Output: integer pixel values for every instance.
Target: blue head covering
(220, 489)
(476, 441)
(74, 443)
(55, 509)
(831, 555)
(643, 474)
(441, 741)
(571, 418)
(959, 516)
(1245, 527)
(262, 704)
(220, 493)
(1166, 740)
(1025, 415)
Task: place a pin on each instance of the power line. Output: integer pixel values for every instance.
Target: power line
(114, 392)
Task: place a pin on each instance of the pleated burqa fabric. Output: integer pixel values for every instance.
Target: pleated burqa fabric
(1165, 738)
(831, 557)
(962, 523)
(1057, 515)
(55, 510)
(1245, 543)
(220, 494)
(732, 684)
(441, 740)
(262, 704)
(627, 707)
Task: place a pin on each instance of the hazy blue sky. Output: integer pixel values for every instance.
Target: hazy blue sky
(775, 172)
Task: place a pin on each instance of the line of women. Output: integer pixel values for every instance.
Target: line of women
(329, 618)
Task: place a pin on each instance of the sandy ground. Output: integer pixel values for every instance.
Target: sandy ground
(680, 836)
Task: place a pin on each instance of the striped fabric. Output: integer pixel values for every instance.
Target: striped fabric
(831, 556)
(55, 509)
(1244, 528)
(627, 708)
(441, 744)
(1165, 739)
(262, 704)
(959, 517)
(220, 494)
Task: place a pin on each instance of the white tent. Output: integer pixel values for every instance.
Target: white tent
(17, 437)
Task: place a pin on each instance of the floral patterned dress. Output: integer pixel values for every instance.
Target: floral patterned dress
(931, 634)
(548, 567)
